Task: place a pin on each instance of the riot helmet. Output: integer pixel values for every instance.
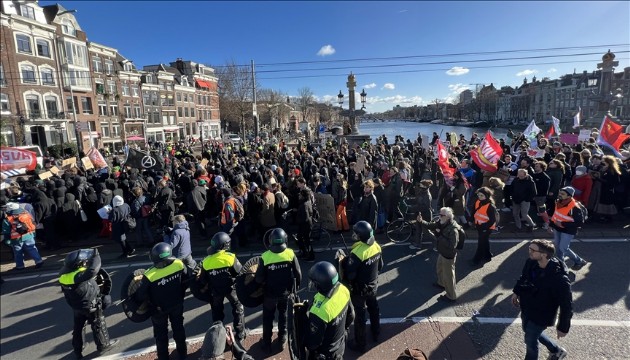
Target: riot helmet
(323, 275)
(278, 240)
(363, 232)
(77, 258)
(161, 252)
(220, 241)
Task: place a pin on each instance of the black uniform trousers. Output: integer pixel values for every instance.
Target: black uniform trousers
(238, 315)
(96, 319)
(270, 304)
(160, 332)
(361, 303)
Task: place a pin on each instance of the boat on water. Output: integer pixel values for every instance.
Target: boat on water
(437, 122)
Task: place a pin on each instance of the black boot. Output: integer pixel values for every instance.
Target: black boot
(310, 254)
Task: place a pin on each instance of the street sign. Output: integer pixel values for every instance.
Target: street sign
(322, 128)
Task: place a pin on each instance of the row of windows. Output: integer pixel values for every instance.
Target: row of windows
(46, 75)
(24, 46)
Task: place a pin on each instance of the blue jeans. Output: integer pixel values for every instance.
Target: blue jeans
(534, 333)
(562, 241)
(20, 248)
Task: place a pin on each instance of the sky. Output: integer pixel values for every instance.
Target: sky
(402, 53)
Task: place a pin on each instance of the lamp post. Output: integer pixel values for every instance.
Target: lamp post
(200, 125)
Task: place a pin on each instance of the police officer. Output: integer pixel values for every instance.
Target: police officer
(219, 270)
(79, 287)
(164, 286)
(279, 272)
(331, 314)
(361, 272)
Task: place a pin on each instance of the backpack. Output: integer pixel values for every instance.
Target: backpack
(283, 200)
(584, 211)
(461, 239)
(130, 223)
(23, 223)
(239, 212)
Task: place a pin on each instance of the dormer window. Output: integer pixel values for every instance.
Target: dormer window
(67, 28)
(184, 81)
(127, 67)
(27, 11)
(149, 79)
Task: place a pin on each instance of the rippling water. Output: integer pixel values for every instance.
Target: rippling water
(410, 130)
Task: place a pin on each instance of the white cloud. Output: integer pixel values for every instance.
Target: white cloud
(552, 70)
(402, 11)
(457, 71)
(370, 86)
(326, 50)
(395, 100)
(388, 86)
(526, 72)
(458, 88)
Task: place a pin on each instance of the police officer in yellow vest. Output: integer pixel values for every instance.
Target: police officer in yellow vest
(279, 271)
(331, 314)
(219, 270)
(361, 271)
(79, 287)
(164, 286)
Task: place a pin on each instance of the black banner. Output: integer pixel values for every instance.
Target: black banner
(144, 161)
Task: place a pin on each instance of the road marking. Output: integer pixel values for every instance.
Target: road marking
(415, 320)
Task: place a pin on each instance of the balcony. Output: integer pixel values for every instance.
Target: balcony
(34, 114)
(56, 115)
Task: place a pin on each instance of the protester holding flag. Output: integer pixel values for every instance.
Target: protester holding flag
(611, 136)
(609, 178)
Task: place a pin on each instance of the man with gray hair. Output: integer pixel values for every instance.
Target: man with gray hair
(446, 232)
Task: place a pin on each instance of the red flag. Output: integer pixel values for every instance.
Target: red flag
(487, 154)
(14, 158)
(550, 133)
(442, 162)
(611, 135)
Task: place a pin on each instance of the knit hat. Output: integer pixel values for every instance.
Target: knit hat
(202, 182)
(569, 190)
(218, 179)
(11, 206)
(253, 187)
(581, 168)
(118, 200)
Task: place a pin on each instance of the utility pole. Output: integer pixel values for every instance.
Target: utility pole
(254, 110)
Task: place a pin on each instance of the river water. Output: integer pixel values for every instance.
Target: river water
(410, 130)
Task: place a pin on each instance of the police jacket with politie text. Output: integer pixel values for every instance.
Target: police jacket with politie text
(329, 318)
(363, 266)
(79, 286)
(163, 285)
(219, 271)
(543, 291)
(278, 271)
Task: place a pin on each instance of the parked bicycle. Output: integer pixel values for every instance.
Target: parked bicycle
(401, 230)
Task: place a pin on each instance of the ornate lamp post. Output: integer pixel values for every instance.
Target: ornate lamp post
(200, 126)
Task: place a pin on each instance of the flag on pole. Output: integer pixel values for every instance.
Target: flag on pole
(487, 155)
(531, 133)
(577, 118)
(442, 162)
(611, 135)
(144, 161)
(554, 129)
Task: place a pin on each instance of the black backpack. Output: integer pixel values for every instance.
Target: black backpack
(462, 237)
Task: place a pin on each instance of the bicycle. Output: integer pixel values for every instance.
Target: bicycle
(401, 230)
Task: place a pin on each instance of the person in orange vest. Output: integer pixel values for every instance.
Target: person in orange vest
(231, 213)
(485, 221)
(566, 220)
(18, 230)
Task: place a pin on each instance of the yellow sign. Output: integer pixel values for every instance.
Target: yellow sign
(87, 163)
(69, 162)
(45, 175)
(54, 170)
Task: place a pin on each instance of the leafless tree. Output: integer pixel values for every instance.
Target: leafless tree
(305, 100)
(235, 94)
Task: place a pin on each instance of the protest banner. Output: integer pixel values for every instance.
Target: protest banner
(585, 134)
(87, 163)
(45, 175)
(570, 139)
(54, 170)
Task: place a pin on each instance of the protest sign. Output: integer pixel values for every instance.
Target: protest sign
(67, 163)
(45, 175)
(54, 170)
(87, 163)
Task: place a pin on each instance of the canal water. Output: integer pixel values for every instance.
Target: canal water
(410, 130)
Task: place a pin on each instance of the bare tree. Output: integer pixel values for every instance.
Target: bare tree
(437, 103)
(235, 94)
(305, 100)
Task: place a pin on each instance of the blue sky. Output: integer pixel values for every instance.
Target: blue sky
(269, 33)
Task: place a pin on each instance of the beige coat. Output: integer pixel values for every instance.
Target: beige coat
(267, 217)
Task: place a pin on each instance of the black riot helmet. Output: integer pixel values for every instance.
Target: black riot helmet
(323, 275)
(161, 252)
(278, 240)
(78, 258)
(220, 241)
(363, 232)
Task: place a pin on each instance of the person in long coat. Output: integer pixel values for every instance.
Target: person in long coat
(119, 213)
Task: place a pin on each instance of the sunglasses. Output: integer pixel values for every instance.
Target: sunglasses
(534, 250)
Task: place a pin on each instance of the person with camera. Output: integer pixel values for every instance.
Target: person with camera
(78, 283)
(164, 286)
(361, 269)
(331, 314)
(279, 271)
(219, 270)
(543, 288)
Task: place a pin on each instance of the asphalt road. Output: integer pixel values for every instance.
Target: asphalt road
(36, 323)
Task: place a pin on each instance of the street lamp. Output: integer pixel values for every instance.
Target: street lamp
(363, 99)
(200, 126)
(60, 129)
(340, 97)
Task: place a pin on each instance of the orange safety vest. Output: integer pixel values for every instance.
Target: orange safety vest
(230, 201)
(26, 218)
(481, 215)
(562, 213)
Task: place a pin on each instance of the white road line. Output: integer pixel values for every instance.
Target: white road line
(415, 320)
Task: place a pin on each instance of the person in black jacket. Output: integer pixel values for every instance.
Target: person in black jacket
(165, 203)
(366, 208)
(304, 220)
(543, 288)
(523, 192)
(164, 286)
(485, 221)
(542, 181)
(79, 287)
(119, 213)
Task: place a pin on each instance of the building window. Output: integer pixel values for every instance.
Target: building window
(97, 64)
(105, 129)
(67, 28)
(100, 88)
(109, 67)
(32, 103)
(43, 48)
(115, 130)
(111, 87)
(71, 105)
(149, 79)
(125, 89)
(28, 74)
(76, 54)
(113, 109)
(47, 77)
(192, 112)
(180, 111)
(4, 102)
(134, 90)
(137, 111)
(127, 111)
(102, 108)
(23, 43)
(2, 81)
(179, 96)
(86, 104)
(51, 107)
(27, 11)
(186, 112)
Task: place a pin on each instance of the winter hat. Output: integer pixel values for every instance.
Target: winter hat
(118, 200)
(581, 169)
(12, 206)
(625, 155)
(202, 182)
(214, 341)
(253, 187)
(218, 179)
(569, 190)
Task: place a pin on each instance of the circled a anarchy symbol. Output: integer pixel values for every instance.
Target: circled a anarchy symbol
(148, 162)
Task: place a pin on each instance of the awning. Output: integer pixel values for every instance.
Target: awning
(203, 84)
